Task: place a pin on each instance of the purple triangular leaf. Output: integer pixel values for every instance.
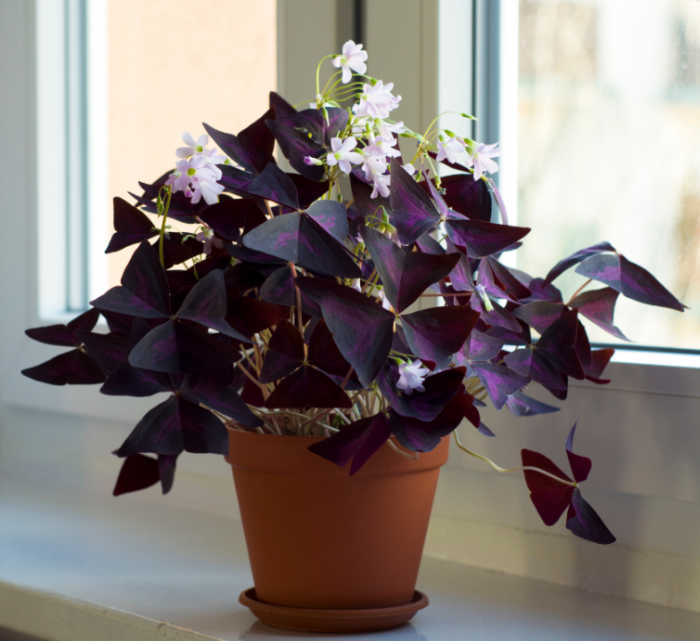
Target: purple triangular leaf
(427, 405)
(598, 306)
(549, 497)
(361, 329)
(130, 381)
(324, 353)
(131, 226)
(585, 523)
(467, 196)
(292, 134)
(576, 258)
(121, 300)
(523, 405)
(499, 381)
(566, 347)
(439, 332)
(285, 353)
(70, 335)
(230, 218)
(251, 148)
(137, 473)
(145, 278)
(332, 216)
(628, 278)
(222, 398)
(598, 362)
(308, 190)
(273, 184)
(297, 238)
(535, 365)
(539, 314)
(249, 316)
(481, 238)
(580, 465)
(166, 470)
(307, 387)
(69, 368)
(405, 274)
(412, 211)
(498, 281)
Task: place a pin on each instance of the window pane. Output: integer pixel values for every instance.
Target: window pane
(173, 64)
(609, 146)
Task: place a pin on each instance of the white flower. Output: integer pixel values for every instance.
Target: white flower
(451, 150)
(198, 148)
(411, 377)
(197, 178)
(352, 58)
(376, 101)
(409, 168)
(381, 185)
(341, 154)
(481, 159)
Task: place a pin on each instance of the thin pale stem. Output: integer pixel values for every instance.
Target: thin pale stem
(578, 291)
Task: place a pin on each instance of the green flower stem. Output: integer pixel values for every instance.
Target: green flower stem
(163, 211)
(318, 69)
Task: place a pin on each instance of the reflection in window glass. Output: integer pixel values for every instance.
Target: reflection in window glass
(173, 64)
(609, 146)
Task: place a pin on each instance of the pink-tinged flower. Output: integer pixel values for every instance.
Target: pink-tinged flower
(351, 59)
(411, 377)
(209, 240)
(196, 178)
(341, 154)
(198, 148)
(380, 184)
(376, 101)
(380, 146)
(481, 159)
(450, 150)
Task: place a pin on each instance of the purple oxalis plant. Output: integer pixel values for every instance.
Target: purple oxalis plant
(388, 319)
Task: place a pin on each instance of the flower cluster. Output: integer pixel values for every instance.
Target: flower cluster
(196, 173)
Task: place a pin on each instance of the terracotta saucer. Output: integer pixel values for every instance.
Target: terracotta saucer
(316, 620)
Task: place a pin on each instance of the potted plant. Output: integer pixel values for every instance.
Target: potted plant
(327, 328)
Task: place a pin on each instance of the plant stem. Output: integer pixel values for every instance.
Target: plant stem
(578, 291)
(164, 213)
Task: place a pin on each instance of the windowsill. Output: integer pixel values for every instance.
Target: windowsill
(137, 568)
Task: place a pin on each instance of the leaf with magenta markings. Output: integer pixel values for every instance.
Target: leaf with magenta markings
(523, 405)
(361, 329)
(307, 387)
(480, 238)
(536, 365)
(357, 441)
(598, 306)
(131, 226)
(299, 239)
(629, 279)
(332, 216)
(499, 281)
(412, 211)
(176, 425)
(539, 314)
(405, 274)
(499, 381)
(285, 353)
(439, 332)
(427, 405)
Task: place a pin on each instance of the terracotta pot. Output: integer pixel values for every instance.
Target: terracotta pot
(320, 538)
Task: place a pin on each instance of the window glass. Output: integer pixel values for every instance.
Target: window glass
(171, 65)
(608, 146)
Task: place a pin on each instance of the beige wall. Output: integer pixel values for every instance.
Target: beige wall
(172, 65)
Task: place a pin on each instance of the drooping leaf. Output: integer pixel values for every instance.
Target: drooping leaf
(585, 523)
(68, 335)
(307, 387)
(576, 258)
(499, 381)
(549, 496)
(69, 368)
(599, 361)
(166, 469)
(361, 329)
(521, 404)
(535, 364)
(137, 473)
(131, 226)
(299, 239)
(629, 279)
(580, 465)
(405, 274)
(438, 332)
(357, 441)
(412, 211)
(562, 343)
(481, 238)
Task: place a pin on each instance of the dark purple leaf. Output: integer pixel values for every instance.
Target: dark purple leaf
(485, 430)
(425, 406)
(230, 218)
(249, 316)
(467, 196)
(536, 365)
(279, 107)
(585, 523)
(222, 398)
(109, 351)
(137, 473)
(130, 381)
(549, 497)
(279, 287)
(70, 335)
(561, 342)
(145, 278)
(297, 238)
(628, 278)
(361, 329)
(332, 216)
(324, 353)
(273, 184)
(439, 332)
(69, 368)
(131, 226)
(522, 405)
(405, 274)
(576, 258)
(357, 441)
(481, 238)
(285, 353)
(498, 281)
(598, 306)
(480, 347)
(235, 180)
(166, 469)
(539, 314)
(251, 148)
(307, 387)
(176, 425)
(499, 381)
(121, 300)
(308, 190)
(412, 211)
(298, 137)
(599, 361)
(363, 204)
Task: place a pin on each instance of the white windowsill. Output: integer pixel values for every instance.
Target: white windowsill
(91, 568)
